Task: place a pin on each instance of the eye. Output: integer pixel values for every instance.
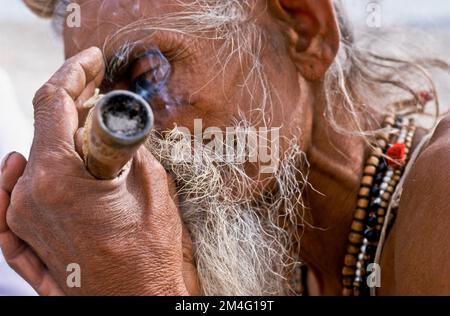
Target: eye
(150, 74)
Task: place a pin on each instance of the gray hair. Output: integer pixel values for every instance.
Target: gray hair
(359, 77)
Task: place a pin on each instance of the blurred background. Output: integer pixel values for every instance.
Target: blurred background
(31, 52)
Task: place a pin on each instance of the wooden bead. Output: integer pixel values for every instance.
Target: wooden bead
(350, 260)
(367, 181)
(360, 214)
(370, 170)
(389, 120)
(377, 152)
(363, 203)
(347, 292)
(352, 277)
(347, 271)
(382, 143)
(373, 161)
(355, 238)
(384, 136)
(386, 196)
(357, 226)
(351, 249)
(364, 192)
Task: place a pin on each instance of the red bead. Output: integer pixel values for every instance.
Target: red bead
(425, 97)
(397, 155)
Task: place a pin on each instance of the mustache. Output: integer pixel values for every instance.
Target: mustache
(245, 236)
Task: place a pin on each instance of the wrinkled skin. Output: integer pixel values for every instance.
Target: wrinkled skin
(116, 231)
(127, 234)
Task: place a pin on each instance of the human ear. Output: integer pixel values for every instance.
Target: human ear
(312, 32)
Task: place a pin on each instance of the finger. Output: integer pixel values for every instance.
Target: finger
(81, 101)
(78, 71)
(31, 268)
(12, 169)
(147, 171)
(79, 141)
(56, 114)
(87, 94)
(22, 258)
(4, 203)
(149, 175)
(48, 286)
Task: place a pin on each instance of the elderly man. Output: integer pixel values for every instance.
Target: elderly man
(350, 159)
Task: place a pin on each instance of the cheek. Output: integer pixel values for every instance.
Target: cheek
(196, 97)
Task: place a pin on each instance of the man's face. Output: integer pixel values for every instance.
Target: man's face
(245, 73)
(191, 65)
(225, 63)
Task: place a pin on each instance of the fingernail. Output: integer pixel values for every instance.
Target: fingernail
(5, 161)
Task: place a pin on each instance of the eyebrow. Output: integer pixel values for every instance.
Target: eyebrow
(117, 63)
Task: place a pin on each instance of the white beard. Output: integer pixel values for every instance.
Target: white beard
(242, 238)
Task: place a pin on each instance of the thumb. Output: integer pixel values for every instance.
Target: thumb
(55, 111)
(149, 174)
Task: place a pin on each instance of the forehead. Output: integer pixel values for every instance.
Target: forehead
(101, 19)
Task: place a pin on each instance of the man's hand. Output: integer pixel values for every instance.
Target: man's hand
(125, 234)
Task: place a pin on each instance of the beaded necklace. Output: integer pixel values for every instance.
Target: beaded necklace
(383, 170)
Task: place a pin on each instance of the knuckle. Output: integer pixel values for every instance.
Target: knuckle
(74, 70)
(44, 94)
(43, 189)
(13, 220)
(47, 93)
(48, 102)
(19, 197)
(46, 99)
